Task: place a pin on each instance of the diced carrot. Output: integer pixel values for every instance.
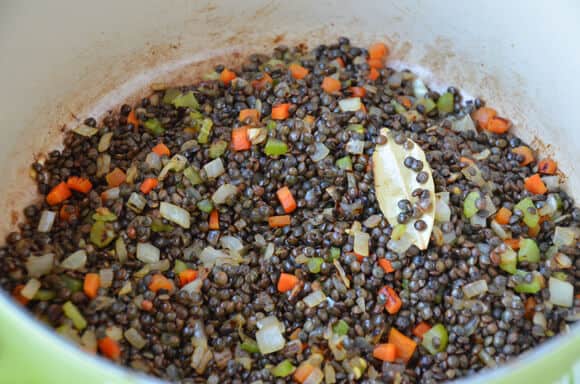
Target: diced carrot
(503, 216)
(297, 71)
(91, 285)
(393, 303)
(340, 62)
(109, 348)
(286, 282)
(331, 85)
(132, 119)
(529, 308)
(261, 83)
(286, 199)
(281, 111)
(386, 266)
(498, 125)
(375, 63)
(385, 352)
(17, 295)
(295, 334)
(466, 160)
(378, 51)
(240, 139)
(547, 167)
(302, 372)
(214, 220)
(405, 345)
(146, 305)
(187, 276)
(249, 116)
(405, 101)
(161, 150)
(534, 231)
(513, 243)
(421, 328)
(68, 211)
(79, 184)
(534, 184)
(148, 185)
(357, 91)
(374, 74)
(227, 76)
(116, 177)
(158, 281)
(58, 194)
(483, 115)
(525, 153)
(279, 221)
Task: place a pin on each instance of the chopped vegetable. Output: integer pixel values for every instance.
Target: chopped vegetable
(250, 346)
(344, 163)
(85, 130)
(135, 339)
(483, 115)
(547, 166)
(205, 131)
(116, 177)
(534, 184)
(531, 216)
(136, 202)
(217, 149)
(280, 111)
(283, 369)
(91, 285)
(72, 312)
(314, 298)
(498, 125)
(427, 103)
(386, 266)
(405, 345)
(374, 74)
(58, 194)
(286, 199)
(475, 288)
(314, 264)
(175, 214)
(148, 185)
(435, 340)
(421, 328)
(158, 282)
(79, 184)
(303, 372)
(102, 233)
(75, 261)
(528, 251)
(297, 71)
(508, 259)
(275, 147)
(249, 116)
(186, 100)
(378, 51)
(561, 292)
(392, 301)
(240, 139)
(357, 92)
(269, 336)
(375, 63)
(186, 276)
(214, 221)
(503, 216)
(513, 243)
(261, 83)
(46, 221)
(341, 328)
(224, 193)
(205, 206)
(154, 127)
(526, 154)
(148, 253)
(286, 282)
(279, 221)
(226, 76)
(565, 236)
(193, 176)
(385, 352)
(132, 119)
(331, 85)
(351, 104)
(30, 288)
(469, 208)
(445, 103)
(534, 287)
(109, 348)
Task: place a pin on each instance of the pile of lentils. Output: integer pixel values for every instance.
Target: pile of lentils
(330, 196)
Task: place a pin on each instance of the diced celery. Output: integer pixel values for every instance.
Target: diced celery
(217, 149)
(334, 253)
(104, 215)
(469, 208)
(314, 264)
(159, 226)
(398, 107)
(358, 128)
(192, 175)
(72, 312)
(250, 346)
(340, 328)
(430, 343)
(102, 234)
(531, 216)
(170, 95)
(445, 103)
(427, 103)
(344, 163)
(74, 285)
(283, 369)
(44, 295)
(534, 287)
(179, 266)
(154, 127)
(508, 260)
(275, 147)
(529, 251)
(186, 100)
(205, 205)
(205, 131)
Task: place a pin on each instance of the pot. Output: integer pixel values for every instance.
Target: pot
(64, 60)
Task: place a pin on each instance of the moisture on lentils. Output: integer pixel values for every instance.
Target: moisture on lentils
(229, 231)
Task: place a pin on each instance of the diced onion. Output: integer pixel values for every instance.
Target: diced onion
(314, 298)
(193, 286)
(46, 221)
(111, 194)
(232, 243)
(30, 288)
(270, 321)
(562, 261)
(121, 249)
(320, 152)
(419, 88)
(477, 220)
(214, 168)
(482, 155)
(75, 261)
(89, 341)
(153, 161)
(315, 377)
(257, 135)
(136, 202)
(176, 164)
(211, 256)
(356, 147)
(550, 206)
(561, 292)
(442, 211)
(500, 231)
(269, 251)
(372, 221)
(361, 243)
(148, 253)
(329, 374)
(114, 333)
(223, 193)
(270, 339)
(341, 273)
(106, 277)
(564, 237)
(351, 104)
(464, 124)
(540, 319)
(134, 338)
(552, 182)
(39, 265)
(475, 288)
(401, 245)
(175, 214)
(105, 142)
(126, 289)
(103, 164)
(85, 130)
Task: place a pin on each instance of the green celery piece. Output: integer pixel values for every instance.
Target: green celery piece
(205, 206)
(193, 176)
(529, 251)
(107, 216)
(205, 131)
(508, 261)
(154, 127)
(275, 147)
(159, 226)
(217, 149)
(44, 295)
(334, 253)
(445, 103)
(170, 95)
(283, 369)
(186, 100)
(271, 125)
(344, 163)
(250, 346)
(72, 312)
(469, 208)
(440, 332)
(530, 219)
(341, 328)
(560, 275)
(398, 107)
(74, 285)
(427, 103)
(179, 266)
(534, 287)
(102, 234)
(358, 128)
(314, 264)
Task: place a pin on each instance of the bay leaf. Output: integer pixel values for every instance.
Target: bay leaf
(395, 182)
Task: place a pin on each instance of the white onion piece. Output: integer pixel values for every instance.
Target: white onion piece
(134, 338)
(259, 240)
(111, 193)
(400, 246)
(351, 104)
(121, 249)
(562, 260)
(552, 182)
(214, 168)
(136, 202)
(561, 292)
(564, 236)
(193, 286)
(105, 142)
(270, 339)
(85, 130)
(482, 155)
(176, 164)
(329, 374)
(106, 277)
(550, 206)
(211, 256)
(232, 243)
(320, 152)
(153, 161)
(315, 377)
(372, 221)
(269, 251)
(443, 196)
(175, 214)
(125, 289)
(442, 211)
(114, 333)
(270, 321)
(89, 341)
(477, 220)
(148, 253)
(419, 88)
(103, 164)
(314, 298)
(46, 221)
(361, 243)
(540, 319)
(500, 231)
(160, 266)
(475, 288)
(257, 135)
(355, 147)
(465, 124)
(30, 288)
(75, 261)
(39, 265)
(223, 193)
